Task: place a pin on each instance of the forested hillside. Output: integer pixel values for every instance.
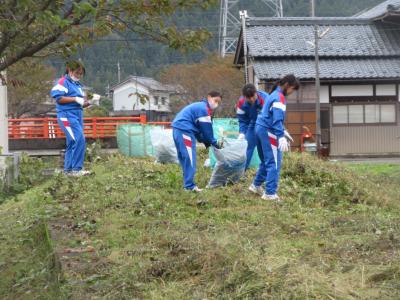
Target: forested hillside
(141, 56)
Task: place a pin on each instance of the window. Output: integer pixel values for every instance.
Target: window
(356, 114)
(340, 114)
(372, 113)
(364, 114)
(388, 113)
(163, 99)
(156, 100)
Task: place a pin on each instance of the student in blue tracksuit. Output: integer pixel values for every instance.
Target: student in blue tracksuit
(247, 109)
(270, 138)
(193, 123)
(70, 101)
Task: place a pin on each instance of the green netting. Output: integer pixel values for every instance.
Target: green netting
(230, 127)
(134, 140)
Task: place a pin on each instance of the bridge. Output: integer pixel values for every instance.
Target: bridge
(44, 135)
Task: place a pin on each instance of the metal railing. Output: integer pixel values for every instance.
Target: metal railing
(48, 128)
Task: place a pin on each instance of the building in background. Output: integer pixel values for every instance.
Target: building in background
(360, 76)
(137, 94)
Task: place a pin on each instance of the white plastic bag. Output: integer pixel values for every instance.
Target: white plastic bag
(164, 146)
(231, 163)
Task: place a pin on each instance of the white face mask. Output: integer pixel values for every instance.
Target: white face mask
(74, 78)
(213, 105)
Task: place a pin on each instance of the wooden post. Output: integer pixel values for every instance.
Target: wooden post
(143, 118)
(46, 128)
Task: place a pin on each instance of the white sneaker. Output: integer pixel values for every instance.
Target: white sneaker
(256, 189)
(196, 189)
(273, 197)
(79, 173)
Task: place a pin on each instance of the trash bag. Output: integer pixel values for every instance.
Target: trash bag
(230, 128)
(134, 139)
(164, 146)
(230, 163)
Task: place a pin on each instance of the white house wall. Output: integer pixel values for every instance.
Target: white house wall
(125, 98)
(386, 90)
(352, 90)
(324, 94)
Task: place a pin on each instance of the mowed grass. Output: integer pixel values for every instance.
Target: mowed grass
(335, 236)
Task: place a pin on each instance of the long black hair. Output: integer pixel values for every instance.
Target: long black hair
(290, 79)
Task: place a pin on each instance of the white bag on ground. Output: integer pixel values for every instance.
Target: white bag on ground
(231, 163)
(164, 146)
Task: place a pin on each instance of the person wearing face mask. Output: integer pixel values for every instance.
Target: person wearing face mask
(70, 101)
(193, 123)
(270, 138)
(247, 109)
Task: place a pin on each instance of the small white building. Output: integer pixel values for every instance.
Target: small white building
(136, 94)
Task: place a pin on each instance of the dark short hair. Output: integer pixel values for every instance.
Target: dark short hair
(73, 65)
(215, 94)
(249, 90)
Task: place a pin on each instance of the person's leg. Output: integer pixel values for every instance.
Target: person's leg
(251, 145)
(261, 174)
(272, 163)
(186, 148)
(78, 156)
(63, 121)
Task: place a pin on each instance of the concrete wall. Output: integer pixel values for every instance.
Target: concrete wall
(3, 118)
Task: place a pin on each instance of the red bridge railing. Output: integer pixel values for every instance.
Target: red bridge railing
(48, 128)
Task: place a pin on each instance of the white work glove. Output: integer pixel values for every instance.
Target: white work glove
(241, 137)
(283, 144)
(79, 100)
(288, 136)
(220, 144)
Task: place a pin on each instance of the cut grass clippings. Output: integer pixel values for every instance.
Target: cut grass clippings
(335, 236)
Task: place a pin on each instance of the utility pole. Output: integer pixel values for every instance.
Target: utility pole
(317, 81)
(243, 17)
(119, 73)
(3, 115)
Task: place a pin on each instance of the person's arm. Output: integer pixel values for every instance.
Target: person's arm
(60, 91)
(203, 120)
(278, 110)
(243, 117)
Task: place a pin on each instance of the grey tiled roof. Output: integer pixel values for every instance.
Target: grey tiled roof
(148, 82)
(330, 68)
(380, 9)
(343, 40)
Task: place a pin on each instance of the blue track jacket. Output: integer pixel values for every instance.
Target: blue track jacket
(247, 113)
(273, 113)
(196, 119)
(66, 87)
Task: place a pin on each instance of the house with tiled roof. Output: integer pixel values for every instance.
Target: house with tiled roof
(136, 95)
(359, 73)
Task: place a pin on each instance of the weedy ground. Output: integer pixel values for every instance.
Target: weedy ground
(131, 232)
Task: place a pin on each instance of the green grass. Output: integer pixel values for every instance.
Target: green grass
(335, 236)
